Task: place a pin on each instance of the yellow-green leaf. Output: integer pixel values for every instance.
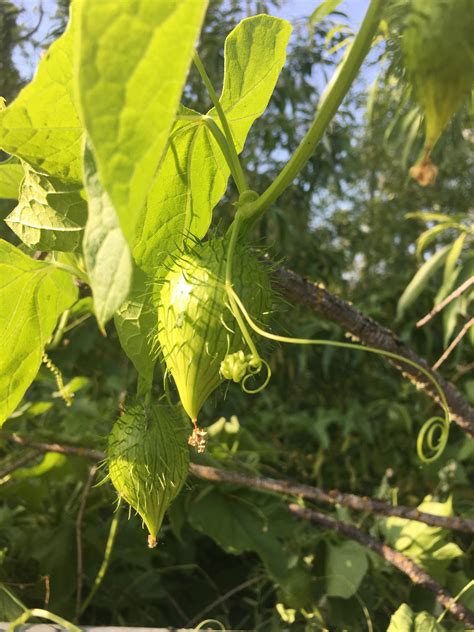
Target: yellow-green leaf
(42, 124)
(33, 294)
(133, 58)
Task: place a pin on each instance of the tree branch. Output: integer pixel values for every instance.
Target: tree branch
(333, 308)
(416, 574)
(332, 497)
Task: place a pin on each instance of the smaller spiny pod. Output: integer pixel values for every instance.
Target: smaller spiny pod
(438, 46)
(197, 330)
(148, 460)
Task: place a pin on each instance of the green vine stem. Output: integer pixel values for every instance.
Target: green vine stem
(42, 614)
(430, 427)
(229, 155)
(105, 562)
(233, 161)
(332, 98)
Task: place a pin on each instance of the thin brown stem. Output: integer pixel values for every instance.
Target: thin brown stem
(330, 497)
(416, 574)
(447, 352)
(20, 462)
(221, 599)
(440, 306)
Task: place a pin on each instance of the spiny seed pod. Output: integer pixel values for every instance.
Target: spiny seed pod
(148, 461)
(197, 330)
(438, 44)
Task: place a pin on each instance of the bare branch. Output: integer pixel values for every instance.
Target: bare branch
(440, 306)
(416, 574)
(20, 462)
(331, 497)
(333, 308)
(454, 344)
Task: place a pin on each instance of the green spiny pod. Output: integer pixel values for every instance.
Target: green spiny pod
(148, 461)
(438, 45)
(196, 328)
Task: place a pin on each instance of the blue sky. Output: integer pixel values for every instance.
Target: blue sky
(292, 10)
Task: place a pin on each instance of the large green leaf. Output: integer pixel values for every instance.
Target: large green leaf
(50, 215)
(106, 252)
(421, 280)
(405, 620)
(427, 546)
(346, 565)
(11, 175)
(193, 175)
(32, 296)
(238, 524)
(42, 125)
(135, 322)
(132, 64)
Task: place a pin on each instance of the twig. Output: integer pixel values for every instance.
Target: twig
(440, 306)
(220, 599)
(454, 344)
(331, 497)
(333, 308)
(23, 460)
(105, 562)
(416, 574)
(94, 455)
(80, 517)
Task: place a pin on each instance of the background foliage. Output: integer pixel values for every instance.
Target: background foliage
(334, 419)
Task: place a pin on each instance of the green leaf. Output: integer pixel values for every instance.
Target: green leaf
(236, 526)
(50, 461)
(346, 566)
(131, 69)
(50, 215)
(11, 175)
(428, 236)
(10, 606)
(420, 280)
(401, 620)
(135, 320)
(106, 252)
(459, 305)
(427, 546)
(424, 622)
(42, 125)
(33, 294)
(453, 256)
(323, 10)
(193, 174)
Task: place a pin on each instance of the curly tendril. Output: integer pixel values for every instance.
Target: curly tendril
(434, 435)
(240, 367)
